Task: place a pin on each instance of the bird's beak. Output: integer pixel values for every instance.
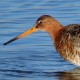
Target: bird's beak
(29, 31)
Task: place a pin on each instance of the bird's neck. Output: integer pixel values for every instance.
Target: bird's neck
(54, 31)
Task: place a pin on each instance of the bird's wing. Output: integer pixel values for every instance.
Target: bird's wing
(74, 31)
(76, 42)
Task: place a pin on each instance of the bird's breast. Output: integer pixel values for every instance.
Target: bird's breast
(64, 46)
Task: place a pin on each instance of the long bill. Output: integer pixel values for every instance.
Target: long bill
(29, 31)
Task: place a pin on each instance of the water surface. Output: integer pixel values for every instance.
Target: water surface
(34, 57)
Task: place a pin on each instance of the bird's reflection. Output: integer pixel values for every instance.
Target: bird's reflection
(69, 75)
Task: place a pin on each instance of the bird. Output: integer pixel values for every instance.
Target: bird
(66, 39)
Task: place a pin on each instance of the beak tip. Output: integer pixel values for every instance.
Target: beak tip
(10, 41)
(5, 44)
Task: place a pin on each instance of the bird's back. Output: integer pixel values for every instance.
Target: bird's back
(67, 43)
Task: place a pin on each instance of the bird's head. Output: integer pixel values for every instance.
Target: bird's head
(44, 23)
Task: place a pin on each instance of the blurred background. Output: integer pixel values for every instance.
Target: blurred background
(34, 57)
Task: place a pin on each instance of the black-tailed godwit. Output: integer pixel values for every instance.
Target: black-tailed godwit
(65, 38)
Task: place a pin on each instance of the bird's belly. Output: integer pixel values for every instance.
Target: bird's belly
(73, 57)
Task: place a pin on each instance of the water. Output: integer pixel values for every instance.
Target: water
(34, 57)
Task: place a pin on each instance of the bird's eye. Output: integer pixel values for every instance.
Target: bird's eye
(40, 22)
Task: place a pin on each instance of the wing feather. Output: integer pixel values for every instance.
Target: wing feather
(74, 32)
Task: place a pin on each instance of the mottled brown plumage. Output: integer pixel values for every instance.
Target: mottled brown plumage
(65, 38)
(67, 43)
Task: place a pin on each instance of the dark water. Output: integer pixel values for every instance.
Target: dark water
(34, 57)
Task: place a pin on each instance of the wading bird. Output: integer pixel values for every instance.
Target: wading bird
(66, 39)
